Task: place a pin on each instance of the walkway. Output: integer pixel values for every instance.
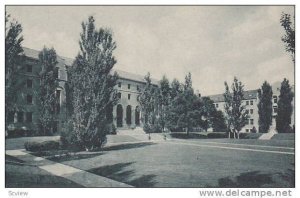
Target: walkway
(81, 177)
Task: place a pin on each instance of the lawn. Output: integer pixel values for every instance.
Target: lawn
(191, 164)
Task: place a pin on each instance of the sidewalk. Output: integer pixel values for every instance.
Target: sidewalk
(81, 177)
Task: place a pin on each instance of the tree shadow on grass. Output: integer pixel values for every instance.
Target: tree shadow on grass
(127, 146)
(256, 179)
(145, 181)
(253, 179)
(121, 173)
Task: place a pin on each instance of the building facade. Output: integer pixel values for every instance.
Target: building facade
(251, 101)
(126, 114)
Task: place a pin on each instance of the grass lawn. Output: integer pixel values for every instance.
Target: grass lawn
(191, 164)
(20, 175)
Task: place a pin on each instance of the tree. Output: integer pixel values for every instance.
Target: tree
(13, 63)
(92, 85)
(218, 122)
(236, 116)
(185, 111)
(265, 107)
(164, 97)
(289, 37)
(149, 102)
(208, 111)
(47, 95)
(285, 108)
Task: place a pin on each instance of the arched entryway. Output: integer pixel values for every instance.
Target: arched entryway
(128, 115)
(137, 116)
(119, 115)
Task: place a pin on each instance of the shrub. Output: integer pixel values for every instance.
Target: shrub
(67, 136)
(217, 135)
(41, 146)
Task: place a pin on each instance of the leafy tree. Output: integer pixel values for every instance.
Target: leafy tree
(92, 85)
(208, 111)
(13, 62)
(175, 89)
(265, 107)
(149, 102)
(218, 121)
(285, 108)
(46, 95)
(164, 98)
(185, 111)
(289, 37)
(236, 116)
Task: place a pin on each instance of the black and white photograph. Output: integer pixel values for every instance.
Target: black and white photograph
(149, 96)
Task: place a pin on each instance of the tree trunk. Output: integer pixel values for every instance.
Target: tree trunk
(234, 134)
(187, 131)
(238, 134)
(229, 135)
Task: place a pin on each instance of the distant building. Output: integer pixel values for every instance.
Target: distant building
(251, 101)
(126, 114)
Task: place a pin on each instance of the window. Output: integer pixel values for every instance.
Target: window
(251, 111)
(29, 99)
(57, 101)
(251, 102)
(29, 117)
(137, 88)
(20, 116)
(275, 99)
(251, 121)
(128, 86)
(29, 83)
(10, 117)
(56, 72)
(119, 95)
(217, 105)
(247, 102)
(129, 96)
(119, 84)
(247, 111)
(275, 109)
(29, 68)
(247, 130)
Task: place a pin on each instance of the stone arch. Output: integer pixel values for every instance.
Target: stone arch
(137, 116)
(119, 115)
(128, 115)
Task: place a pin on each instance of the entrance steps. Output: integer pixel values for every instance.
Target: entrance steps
(138, 133)
(266, 136)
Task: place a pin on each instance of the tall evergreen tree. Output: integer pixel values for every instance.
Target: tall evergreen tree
(164, 100)
(236, 116)
(47, 95)
(218, 122)
(285, 108)
(13, 63)
(265, 107)
(92, 85)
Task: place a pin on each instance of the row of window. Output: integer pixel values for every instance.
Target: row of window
(128, 86)
(20, 117)
(251, 102)
(120, 96)
(29, 70)
(249, 111)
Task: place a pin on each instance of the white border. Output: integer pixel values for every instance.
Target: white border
(132, 193)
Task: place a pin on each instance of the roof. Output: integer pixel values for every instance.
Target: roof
(62, 61)
(135, 77)
(248, 95)
(31, 53)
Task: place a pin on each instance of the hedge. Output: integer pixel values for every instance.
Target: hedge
(42, 146)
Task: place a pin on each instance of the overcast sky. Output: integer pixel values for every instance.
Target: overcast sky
(214, 43)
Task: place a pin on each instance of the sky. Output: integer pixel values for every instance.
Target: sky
(214, 43)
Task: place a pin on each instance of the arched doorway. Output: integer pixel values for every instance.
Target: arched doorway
(128, 115)
(137, 116)
(119, 115)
